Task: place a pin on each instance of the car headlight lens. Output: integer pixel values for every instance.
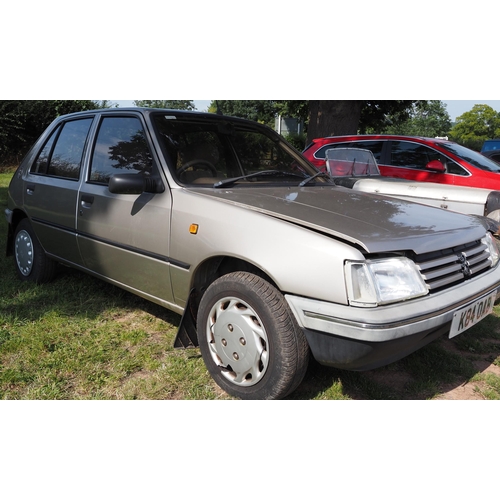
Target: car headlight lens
(492, 245)
(372, 283)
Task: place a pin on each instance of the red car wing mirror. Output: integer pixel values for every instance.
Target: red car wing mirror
(436, 166)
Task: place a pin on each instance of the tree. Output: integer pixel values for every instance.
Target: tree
(427, 119)
(258, 111)
(327, 118)
(475, 126)
(323, 118)
(293, 109)
(22, 122)
(187, 105)
(104, 104)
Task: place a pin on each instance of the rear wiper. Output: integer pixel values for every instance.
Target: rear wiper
(263, 173)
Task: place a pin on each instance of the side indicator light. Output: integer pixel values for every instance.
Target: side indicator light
(193, 228)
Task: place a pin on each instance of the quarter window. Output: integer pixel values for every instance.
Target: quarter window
(121, 146)
(62, 154)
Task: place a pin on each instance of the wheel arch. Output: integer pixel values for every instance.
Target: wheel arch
(17, 217)
(206, 273)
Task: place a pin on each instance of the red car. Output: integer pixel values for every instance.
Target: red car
(416, 158)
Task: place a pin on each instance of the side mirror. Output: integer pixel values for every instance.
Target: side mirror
(134, 184)
(436, 166)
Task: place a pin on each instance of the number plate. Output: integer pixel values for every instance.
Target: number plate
(464, 318)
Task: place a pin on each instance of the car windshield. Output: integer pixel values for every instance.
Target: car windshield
(202, 152)
(351, 162)
(474, 158)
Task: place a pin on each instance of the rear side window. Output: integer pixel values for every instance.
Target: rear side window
(374, 146)
(121, 147)
(62, 154)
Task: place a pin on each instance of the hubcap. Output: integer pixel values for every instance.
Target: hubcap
(238, 341)
(24, 252)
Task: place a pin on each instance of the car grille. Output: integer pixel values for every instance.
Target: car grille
(446, 268)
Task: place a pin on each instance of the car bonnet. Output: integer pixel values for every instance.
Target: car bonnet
(375, 223)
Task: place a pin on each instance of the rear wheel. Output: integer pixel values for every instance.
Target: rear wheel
(249, 339)
(32, 264)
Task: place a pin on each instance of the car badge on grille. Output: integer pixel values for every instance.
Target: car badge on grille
(465, 266)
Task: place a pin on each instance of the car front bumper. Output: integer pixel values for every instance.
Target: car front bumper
(360, 339)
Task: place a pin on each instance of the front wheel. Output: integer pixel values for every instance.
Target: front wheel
(249, 339)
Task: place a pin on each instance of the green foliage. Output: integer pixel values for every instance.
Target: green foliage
(292, 109)
(22, 122)
(377, 115)
(104, 104)
(298, 141)
(475, 126)
(186, 105)
(258, 111)
(424, 118)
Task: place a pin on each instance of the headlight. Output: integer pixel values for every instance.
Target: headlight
(492, 245)
(372, 283)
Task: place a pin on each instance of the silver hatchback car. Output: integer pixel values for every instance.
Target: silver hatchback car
(265, 258)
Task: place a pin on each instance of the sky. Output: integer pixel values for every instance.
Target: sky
(455, 108)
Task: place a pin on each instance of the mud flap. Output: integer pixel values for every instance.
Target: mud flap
(187, 337)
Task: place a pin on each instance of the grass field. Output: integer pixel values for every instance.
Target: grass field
(80, 338)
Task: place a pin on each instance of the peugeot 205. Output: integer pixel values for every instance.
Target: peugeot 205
(266, 259)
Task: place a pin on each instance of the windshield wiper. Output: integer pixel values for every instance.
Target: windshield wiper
(305, 182)
(263, 173)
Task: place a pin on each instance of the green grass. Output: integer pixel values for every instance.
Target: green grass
(80, 338)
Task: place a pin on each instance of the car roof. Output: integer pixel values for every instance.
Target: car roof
(146, 111)
(340, 138)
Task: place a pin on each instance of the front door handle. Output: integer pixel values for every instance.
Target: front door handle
(87, 200)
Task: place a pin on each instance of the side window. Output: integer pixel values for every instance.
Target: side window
(453, 168)
(413, 155)
(62, 154)
(374, 146)
(121, 146)
(41, 164)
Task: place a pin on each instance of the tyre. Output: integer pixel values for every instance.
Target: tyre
(249, 339)
(32, 264)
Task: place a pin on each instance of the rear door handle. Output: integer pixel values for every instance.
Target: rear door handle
(30, 188)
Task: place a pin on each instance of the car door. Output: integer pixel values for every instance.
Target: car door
(51, 189)
(409, 160)
(125, 237)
